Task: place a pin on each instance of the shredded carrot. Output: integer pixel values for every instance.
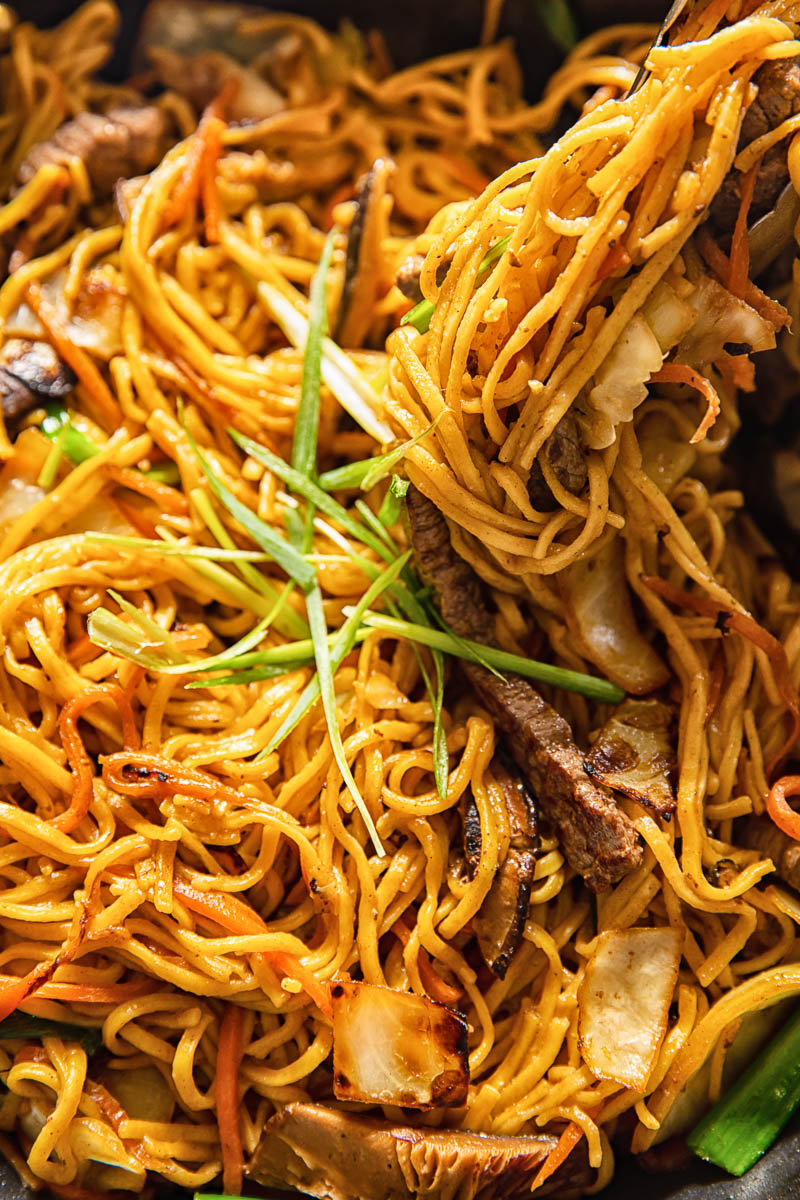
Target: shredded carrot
(167, 498)
(188, 188)
(142, 525)
(719, 263)
(738, 371)
(465, 172)
(747, 627)
(208, 179)
(680, 373)
(235, 916)
(107, 410)
(558, 1155)
(740, 245)
(79, 760)
(778, 807)
(229, 1060)
(83, 993)
(436, 987)
(16, 991)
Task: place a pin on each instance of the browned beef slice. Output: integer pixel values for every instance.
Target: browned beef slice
(760, 833)
(124, 142)
(778, 98)
(598, 840)
(565, 455)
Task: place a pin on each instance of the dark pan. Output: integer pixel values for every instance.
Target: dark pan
(418, 29)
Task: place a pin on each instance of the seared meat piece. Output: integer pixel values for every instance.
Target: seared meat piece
(341, 1156)
(763, 835)
(500, 921)
(598, 840)
(778, 98)
(565, 455)
(123, 142)
(31, 372)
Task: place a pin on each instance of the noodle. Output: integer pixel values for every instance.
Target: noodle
(184, 866)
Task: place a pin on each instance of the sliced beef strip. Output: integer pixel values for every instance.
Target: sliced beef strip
(778, 98)
(30, 373)
(116, 145)
(760, 833)
(339, 1155)
(500, 921)
(598, 840)
(565, 455)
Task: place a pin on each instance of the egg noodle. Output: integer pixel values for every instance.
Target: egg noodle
(170, 875)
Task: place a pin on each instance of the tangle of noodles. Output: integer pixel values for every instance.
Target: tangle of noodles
(167, 882)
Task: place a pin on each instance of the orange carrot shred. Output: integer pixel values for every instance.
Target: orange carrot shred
(76, 753)
(229, 1060)
(108, 411)
(779, 808)
(436, 987)
(558, 1155)
(680, 373)
(188, 188)
(740, 245)
(208, 179)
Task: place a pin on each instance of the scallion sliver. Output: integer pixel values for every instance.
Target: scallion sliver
(750, 1116)
(498, 660)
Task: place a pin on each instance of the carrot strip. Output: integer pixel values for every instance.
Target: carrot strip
(208, 179)
(343, 193)
(747, 627)
(79, 760)
(187, 190)
(680, 373)
(558, 1155)
(232, 914)
(108, 411)
(436, 987)
(740, 246)
(169, 498)
(14, 993)
(778, 807)
(617, 259)
(719, 263)
(229, 1059)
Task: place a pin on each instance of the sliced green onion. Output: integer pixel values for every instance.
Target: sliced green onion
(369, 471)
(312, 492)
(743, 1125)
(48, 473)
(178, 550)
(56, 424)
(558, 20)
(281, 552)
(20, 1025)
(304, 445)
(391, 508)
(420, 315)
(344, 642)
(377, 526)
(327, 690)
(167, 472)
(498, 660)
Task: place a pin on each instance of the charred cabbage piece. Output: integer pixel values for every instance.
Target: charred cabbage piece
(340, 1156)
(392, 1047)
(635, 754)
(624, 1000)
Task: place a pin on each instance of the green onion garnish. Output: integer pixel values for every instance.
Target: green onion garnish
(19, 1025)
(304, 445)
(57, 426)
(369, 471)
(420, 315)
(742, 1126)
(498, 660)
(558, 20)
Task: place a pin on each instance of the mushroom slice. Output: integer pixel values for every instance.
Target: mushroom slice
(392, 1047)
(623, 1002)
(364, 266)
(635, 754)
(343, 1156)
(500, 921)
(37, 365)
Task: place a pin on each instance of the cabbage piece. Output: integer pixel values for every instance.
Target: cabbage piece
(669, 316)
(599, 613)
(620, 382)
(720, 320)
(392, 1047)
(94, 322)
(624, 1001)
(635, 754)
